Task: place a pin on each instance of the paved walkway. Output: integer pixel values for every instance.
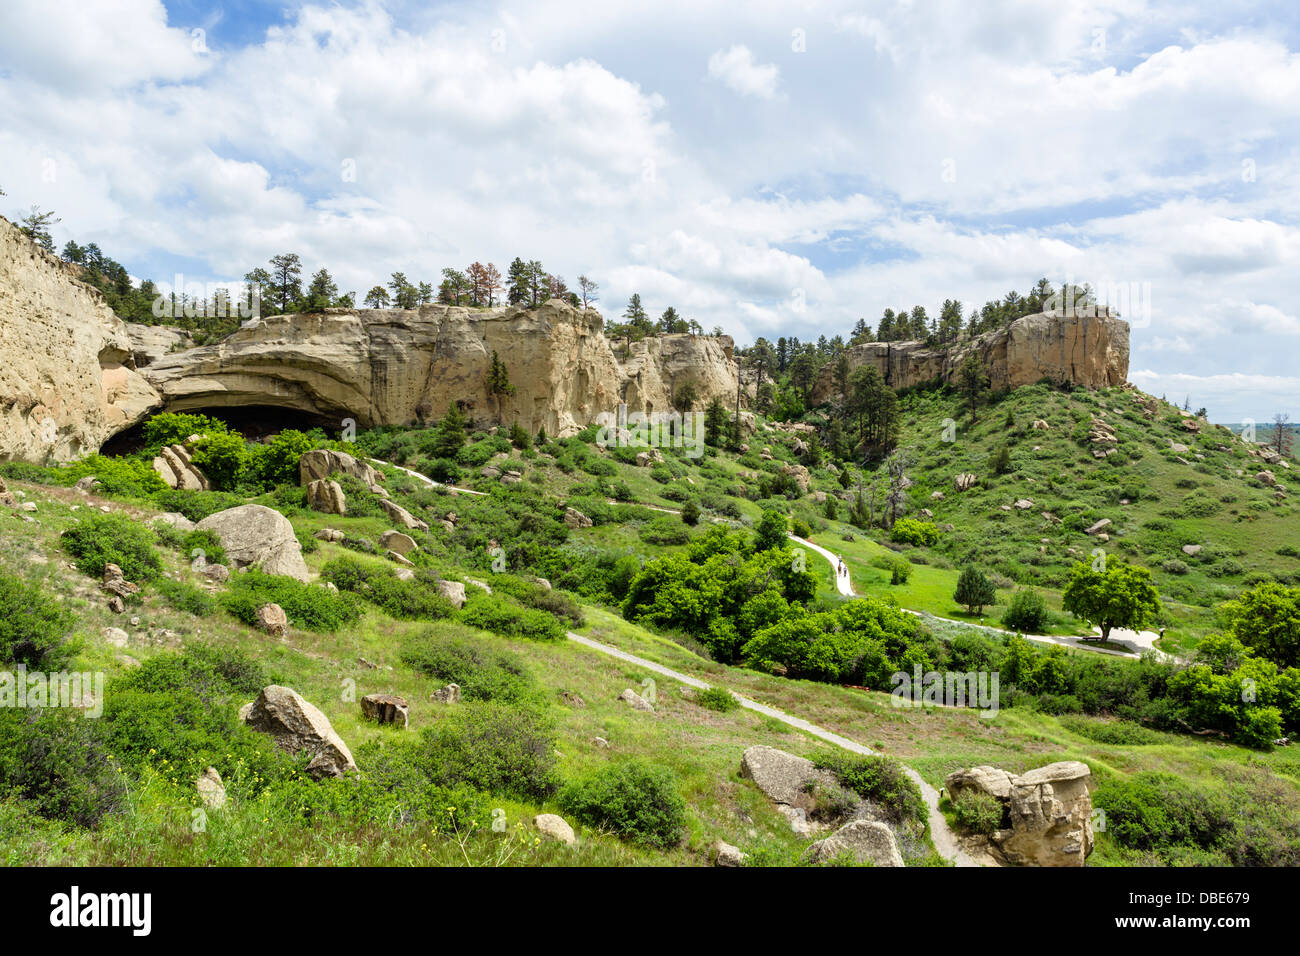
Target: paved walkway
(941, 835)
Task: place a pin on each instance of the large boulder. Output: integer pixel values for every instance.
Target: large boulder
(258, 536)
(402, 516)
(554, 828)
(386, 709)
(866, 841)
(453, 591)
(321, 463)
(175, 467)
(397, 541)
(983, 779)
(783, 777)
(297, 726)
(574, 518)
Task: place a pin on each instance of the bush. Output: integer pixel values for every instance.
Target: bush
(207, 542)
(883, 781)
(481, 672)
(309, 606)
(171, 428)
(1153, 810)
(911, 531)
(664, 531)
(186, 597)
(498, 748)
(222, 457)
(635, 801)
(414, 600)
(1027, 612)
(691, 513)
(900, 571)
(489, 612)
(197, 505)
(443, 470)
(977, 812)
(33, 626)
(101, 539)
(717, 698)
(116, 476)
(60, 761)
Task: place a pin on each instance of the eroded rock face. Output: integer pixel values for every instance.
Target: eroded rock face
(297, 726)
(320, 463)
(258, 536)
(68, 379)
(1049, 809)
(864, 840)
(1091, 352)
(400, 367)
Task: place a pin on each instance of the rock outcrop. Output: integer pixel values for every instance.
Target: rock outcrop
(401, 367)
(1048, 811)
(1087, 351)
(149, 343)
(68, 380)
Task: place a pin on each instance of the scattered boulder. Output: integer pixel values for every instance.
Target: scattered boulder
(1024, 504)
(175, 519)
(272, 619)
(115, 583)
(397, 541)
(724, 854)
(1040, 425)
(320, 463)
(984, 779)
(636, 701)
(574, 518)
(386, 709)
(211, 789)
(782, 777)
(964, 481)
(87, 484)
(216, 573)
(297, 726)
(1266, 477)
(446, 695)
(257, 536)
(401, 559)
(554, 828)
(333, 535)
(400, 515)
(936, 496)
(867, 841)
(490, 471)
(326, 496)
(1192, 550)
(453, 591)
(115, 636)
(1098, 526)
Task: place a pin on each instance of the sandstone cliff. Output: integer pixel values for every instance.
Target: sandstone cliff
(67, 377)
(404, 367)
(1091, 352)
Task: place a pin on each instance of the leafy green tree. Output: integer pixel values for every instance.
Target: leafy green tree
(1120, 596)
(377, 298)
(691, 512)
(974, 590)
(1266, 618)
(222, 457)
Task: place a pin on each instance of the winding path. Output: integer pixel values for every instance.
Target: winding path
(941, 835)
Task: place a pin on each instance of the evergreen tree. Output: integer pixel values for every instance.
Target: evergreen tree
(449, 436)
(498, 383)
(974, 590)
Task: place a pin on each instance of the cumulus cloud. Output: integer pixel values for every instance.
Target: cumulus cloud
(737, 68)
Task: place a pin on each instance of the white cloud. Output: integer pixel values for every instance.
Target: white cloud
(737, 68)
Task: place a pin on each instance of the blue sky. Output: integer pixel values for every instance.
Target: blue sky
(772, 168)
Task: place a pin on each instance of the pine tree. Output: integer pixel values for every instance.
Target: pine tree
(498, 383)
(974, 590)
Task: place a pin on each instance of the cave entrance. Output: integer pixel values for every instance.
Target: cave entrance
(254, 422)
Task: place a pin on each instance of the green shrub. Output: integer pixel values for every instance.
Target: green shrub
(275, 462)
(117, 476)
(493, 747)
(207, 542)
(60, 761)
(222, 457)
(416, 599)
(900, 571)
(184, 596)
(489, 612)
(665, 531)
(717, 698)
(1153, 810)
(977, 812)
(912, 531)
(33, 626)
(1026, 612)
(637, 802)
(312, 607)
(800, 528)
(883, 781)
(172, 428)
(481, 672)
(100, 539)
(196, 505)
